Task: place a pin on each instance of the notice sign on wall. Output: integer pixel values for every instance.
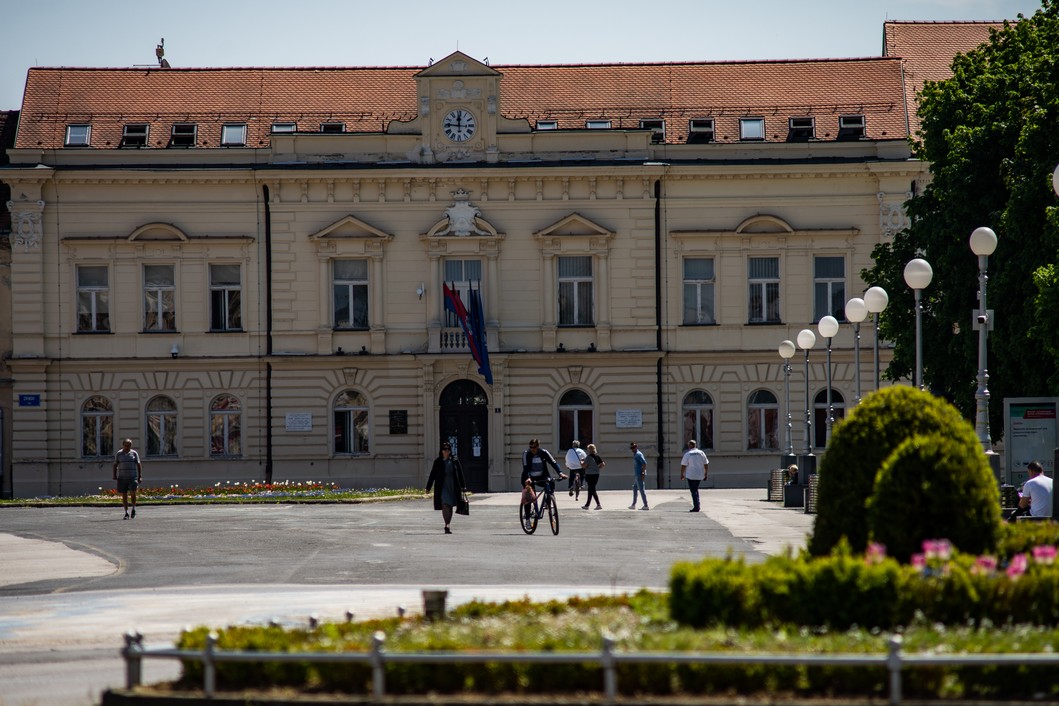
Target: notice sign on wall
(398, 421)
(299, 421)
(628, 419)
(1029, 435)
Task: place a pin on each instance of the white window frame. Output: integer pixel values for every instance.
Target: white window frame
(329, 128)
(852, 127)
(763, 413)
(696, 411)
(598, 124)
(693, 291)
(352, 286)
(224, 297)
(798, 125)
(160, 433)
(657, 126)
(223, 421)
(703, 126)
(180, 136)
(79, 135)
(101, 417)
(98, 299)
(457, 270)
(133, 136)
(571, 413)
(352, 410)
(159, 300)
(572, 287)
(825, 285)
(233, 135)
(547, 124)
(755, 135)
(284, 128)
(764, 285)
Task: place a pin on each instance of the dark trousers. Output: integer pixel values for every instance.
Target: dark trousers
(592, 479)
(693, 486)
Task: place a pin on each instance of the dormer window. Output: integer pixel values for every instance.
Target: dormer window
(78, 135)
(134, 135)
(700, 130)
(332, 127)
(597, 124)
(751, 128)
(233, 135)
(657, 128)
(801, 129)
(183, 135)
(284, 128)
(850, 127)
(547, 124)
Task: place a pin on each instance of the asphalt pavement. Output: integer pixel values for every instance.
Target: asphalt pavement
(73, 580)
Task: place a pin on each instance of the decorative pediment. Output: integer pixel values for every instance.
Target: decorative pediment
(158, 231)
(349, 227)
(457, 64)
(461, 219)
(763, 223)
(574, 225)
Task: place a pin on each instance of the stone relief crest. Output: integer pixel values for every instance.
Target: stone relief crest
(462, 215)
(892, 216)
(26, 228)
(459, 92)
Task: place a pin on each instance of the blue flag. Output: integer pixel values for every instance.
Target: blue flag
(480, 350)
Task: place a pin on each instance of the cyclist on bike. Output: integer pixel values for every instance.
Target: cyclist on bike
(535, 462)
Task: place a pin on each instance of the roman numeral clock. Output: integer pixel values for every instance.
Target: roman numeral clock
(459, 125)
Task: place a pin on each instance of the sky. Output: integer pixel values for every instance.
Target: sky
(122, 33)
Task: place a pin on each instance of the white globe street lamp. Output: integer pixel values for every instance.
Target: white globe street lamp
(787, 351)
(983, 244)
(876, 300)
(856, 312)
(828, 328)
(918, 274)
(806, 341)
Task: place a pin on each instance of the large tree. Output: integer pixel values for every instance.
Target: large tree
(991, 136)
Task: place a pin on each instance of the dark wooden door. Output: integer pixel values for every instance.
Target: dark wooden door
(464, 423)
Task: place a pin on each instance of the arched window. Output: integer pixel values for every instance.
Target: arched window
(838, 403)
(97, 428)
(698, 419)
(575, 418)
(161, 426)
(226, 426)
(350, 414)
(762, 421)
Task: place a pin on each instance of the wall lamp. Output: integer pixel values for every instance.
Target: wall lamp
(174, 351)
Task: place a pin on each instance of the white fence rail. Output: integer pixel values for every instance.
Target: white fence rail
(895, 661)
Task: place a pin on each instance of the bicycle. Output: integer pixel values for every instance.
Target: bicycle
(544, 501)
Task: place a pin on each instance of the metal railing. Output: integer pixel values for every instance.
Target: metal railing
(895, 661)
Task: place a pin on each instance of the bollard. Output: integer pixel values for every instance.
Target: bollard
(610, 675)
(401, 611)
(209, 667)
(893, 663)
(434, 604)
(314, 621)
(349, 615)
(133, 660)
(378, 673)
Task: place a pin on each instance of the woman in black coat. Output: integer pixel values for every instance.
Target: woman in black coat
(446, 476)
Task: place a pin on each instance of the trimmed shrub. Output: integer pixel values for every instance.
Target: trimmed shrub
(859, 446)
(935, 486)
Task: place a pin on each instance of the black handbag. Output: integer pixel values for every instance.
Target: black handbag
(463, 506)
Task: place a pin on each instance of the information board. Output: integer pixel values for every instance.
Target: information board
(1029, 435)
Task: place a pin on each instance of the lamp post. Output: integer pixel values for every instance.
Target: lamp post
(806, 341)
(983, 243)
(918, 274)
(856, 311)
(876, 300)
(828, 328)
(787, 351)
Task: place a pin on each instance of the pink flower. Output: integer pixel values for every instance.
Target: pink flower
(1018, 565)
(984, 565)
(919, 561)
(1044, 554)
(937, 549)
(876, 553)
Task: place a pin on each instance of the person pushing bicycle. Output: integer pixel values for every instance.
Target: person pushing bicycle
(535, 462)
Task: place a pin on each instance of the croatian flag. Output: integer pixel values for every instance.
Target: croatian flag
(473, 324)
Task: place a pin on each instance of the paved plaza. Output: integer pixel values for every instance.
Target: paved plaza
(74, 579)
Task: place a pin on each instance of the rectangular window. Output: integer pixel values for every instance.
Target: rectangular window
(801, 129)
(78, 135)
(93, 299)
(332, 127)
(159, 298)
(850, 127)
(134, 135)
(700, 130)
(233, 135)
(597, 124)
(763, 277)
(829, 287)
(226, 294)
(183, 135)
(547, 124)
(350, 280)
(278, 128)
(575, 291)
(751, 128)
(459, 274)
(657, 128)
(698, 291)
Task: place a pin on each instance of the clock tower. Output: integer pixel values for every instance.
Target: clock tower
(458, 100)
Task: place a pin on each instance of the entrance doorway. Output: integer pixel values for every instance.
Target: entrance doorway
(464, 423)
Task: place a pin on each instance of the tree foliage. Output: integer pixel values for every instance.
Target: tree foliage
(991, 136)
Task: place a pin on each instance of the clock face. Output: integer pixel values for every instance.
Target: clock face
(459, 125)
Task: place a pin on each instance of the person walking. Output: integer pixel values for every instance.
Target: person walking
(446, 477)
(128, 473)
(639, 476)
(694, 468)
(575, 464)
(593, 465)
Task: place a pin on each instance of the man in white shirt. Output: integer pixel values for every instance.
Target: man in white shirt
(575, 462)
(1037, 491)
(694, 468)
